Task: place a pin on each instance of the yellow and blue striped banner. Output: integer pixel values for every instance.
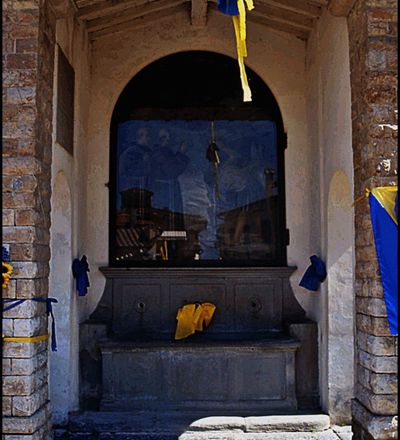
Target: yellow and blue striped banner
(383, 202)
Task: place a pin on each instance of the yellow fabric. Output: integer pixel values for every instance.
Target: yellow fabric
(6, 274)
(32, 340)
(239, 25)
(386, 196)
(192, 317)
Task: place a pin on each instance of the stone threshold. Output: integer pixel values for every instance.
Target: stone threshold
(169, 425)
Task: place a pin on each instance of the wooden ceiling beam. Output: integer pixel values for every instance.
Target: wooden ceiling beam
(143, 21)
(198, 15)
(288, 17)
(279, 26)
(97, 10)
(129, 14)
(295, 6)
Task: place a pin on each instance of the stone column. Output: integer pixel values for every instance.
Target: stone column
(28, 52)
(373, 59)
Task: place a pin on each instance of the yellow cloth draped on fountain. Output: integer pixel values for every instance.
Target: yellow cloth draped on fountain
(239, 24)
(192, 317)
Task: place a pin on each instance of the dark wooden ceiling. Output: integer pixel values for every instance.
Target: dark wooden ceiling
(105, 17)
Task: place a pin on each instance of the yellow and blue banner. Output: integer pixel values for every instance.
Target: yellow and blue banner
(237, 9)
(383, 202)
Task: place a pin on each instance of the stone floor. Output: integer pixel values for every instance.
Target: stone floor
(181, 426)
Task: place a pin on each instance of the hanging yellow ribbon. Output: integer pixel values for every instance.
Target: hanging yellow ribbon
(239, 25)
(31, 340)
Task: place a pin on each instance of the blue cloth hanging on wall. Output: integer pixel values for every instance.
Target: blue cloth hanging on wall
(314, 275)
(80, 268)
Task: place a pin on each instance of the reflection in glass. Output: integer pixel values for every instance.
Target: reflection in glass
(174, 204)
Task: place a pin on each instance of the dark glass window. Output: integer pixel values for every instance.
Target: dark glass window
(196, 191)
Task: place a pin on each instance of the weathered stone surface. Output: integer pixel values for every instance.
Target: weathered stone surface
(302, 423)
(7, 402)
(27, 309)
(24, 385)
(378, 427)
(25, 425)
(379, 404)
(23, 350)
(30, 327)
(23, 406)
(378, 364)
(25, 367)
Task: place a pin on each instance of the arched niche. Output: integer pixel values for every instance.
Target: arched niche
(195, 89)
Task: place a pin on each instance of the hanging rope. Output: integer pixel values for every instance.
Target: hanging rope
(213, 157)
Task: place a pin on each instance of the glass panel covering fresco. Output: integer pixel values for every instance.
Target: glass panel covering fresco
(193, 190)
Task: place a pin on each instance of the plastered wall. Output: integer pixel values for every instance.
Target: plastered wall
(331, 216)
(68, 201)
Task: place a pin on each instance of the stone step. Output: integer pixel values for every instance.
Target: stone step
(144, 425)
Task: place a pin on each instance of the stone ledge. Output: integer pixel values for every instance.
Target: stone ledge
(379, 427)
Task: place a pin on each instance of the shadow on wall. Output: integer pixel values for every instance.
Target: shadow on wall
(340, 266)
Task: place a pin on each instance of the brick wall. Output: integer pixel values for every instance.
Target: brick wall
(28, 50)
(373, 58)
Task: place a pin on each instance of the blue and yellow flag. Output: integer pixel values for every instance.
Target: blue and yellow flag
(383, 206)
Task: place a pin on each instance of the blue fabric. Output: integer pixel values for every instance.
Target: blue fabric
(385, 235)
(314, 275)
(5, 256)
(49, 311)
(228, 7)
(80, 268)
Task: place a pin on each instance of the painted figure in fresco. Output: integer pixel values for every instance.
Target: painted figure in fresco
(134, 162)
(166, 167)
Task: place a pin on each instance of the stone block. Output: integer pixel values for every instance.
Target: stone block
(30, 327)
(21, 61)
(373, 325)
(8, 326)
(26, 367)
(371, 306)
(23, 350)
(383, 383)
(376, 345)
(21, 166)
(379, 404)
(377, 364)
(25, 425)
(30, 269)
(27, 309)
(26, 45)
(36, 288)
(6, 367)
(379, 427)
(20, 200)
(27, 217)
(7, 403)
(28, 405)
(20, 95)
(17, 385)
(10, 290)
(8, 217)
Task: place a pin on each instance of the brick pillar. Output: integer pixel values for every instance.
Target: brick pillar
(28, 52)
(373, 58)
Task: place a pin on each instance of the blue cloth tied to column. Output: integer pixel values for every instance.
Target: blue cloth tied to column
(80, 268)
(314, 275)
(49, 311)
